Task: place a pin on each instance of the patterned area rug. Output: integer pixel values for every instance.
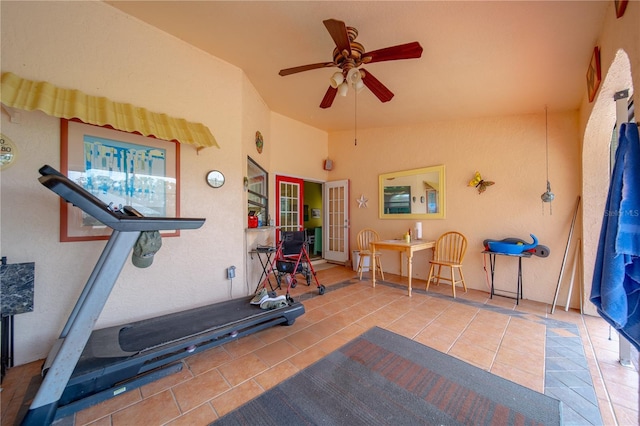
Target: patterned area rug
(382, 378)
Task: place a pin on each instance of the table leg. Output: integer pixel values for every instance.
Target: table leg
(267, 269)
(492, 266)
(7, 344)
(519, 288)
(373, 266)
(409, 267)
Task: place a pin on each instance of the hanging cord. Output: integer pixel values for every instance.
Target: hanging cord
(355, 120)
(546, 138)
(547, 197)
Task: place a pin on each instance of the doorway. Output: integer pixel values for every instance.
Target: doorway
(299, 208)
(319, 209)
(312, 218)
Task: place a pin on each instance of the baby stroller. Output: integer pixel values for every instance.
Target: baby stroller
(292, 258)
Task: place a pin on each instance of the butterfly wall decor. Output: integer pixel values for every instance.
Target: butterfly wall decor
(480, 183)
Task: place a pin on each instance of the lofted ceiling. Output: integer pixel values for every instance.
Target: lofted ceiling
(480, 58)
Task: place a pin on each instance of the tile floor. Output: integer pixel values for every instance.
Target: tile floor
(565, 355)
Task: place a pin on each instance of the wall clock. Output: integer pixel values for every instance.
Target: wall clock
(215, 179)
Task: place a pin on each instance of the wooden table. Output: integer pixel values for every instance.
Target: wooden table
(402, 247)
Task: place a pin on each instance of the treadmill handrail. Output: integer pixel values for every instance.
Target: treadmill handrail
(73, 193)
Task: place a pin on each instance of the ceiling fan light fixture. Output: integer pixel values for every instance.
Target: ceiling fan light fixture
(353, 76)
(336, 79)
(359, 86)
(343, 89)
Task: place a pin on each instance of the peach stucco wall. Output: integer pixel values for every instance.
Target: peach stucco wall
(507, 150)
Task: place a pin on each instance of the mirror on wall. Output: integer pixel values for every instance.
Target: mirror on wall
(412, 194)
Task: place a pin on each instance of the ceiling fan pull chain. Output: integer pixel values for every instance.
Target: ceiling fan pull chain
(355, 120)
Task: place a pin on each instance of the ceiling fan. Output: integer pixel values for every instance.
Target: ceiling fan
(349, 55)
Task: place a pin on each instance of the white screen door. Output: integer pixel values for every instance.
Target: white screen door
(336, 221)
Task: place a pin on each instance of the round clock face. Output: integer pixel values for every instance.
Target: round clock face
(259, 142)
(8, 152)
(215, 179)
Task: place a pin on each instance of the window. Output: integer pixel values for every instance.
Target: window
(258, 192)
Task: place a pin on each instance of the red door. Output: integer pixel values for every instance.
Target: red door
(290, 198)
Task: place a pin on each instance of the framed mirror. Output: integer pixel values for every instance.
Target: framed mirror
(412, 194)
(215, 179)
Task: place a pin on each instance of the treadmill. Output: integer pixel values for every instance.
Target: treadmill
(87, 366)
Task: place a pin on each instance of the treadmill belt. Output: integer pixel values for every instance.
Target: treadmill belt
(152, 332)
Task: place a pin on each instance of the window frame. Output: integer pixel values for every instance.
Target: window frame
(257, 187)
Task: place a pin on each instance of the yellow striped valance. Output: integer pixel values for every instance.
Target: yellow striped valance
(69, 103)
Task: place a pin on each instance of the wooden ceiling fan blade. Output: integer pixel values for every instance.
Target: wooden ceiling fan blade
(327, 101)
(338, 32)
(288, 71)
(377, 88)
(401, 51)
